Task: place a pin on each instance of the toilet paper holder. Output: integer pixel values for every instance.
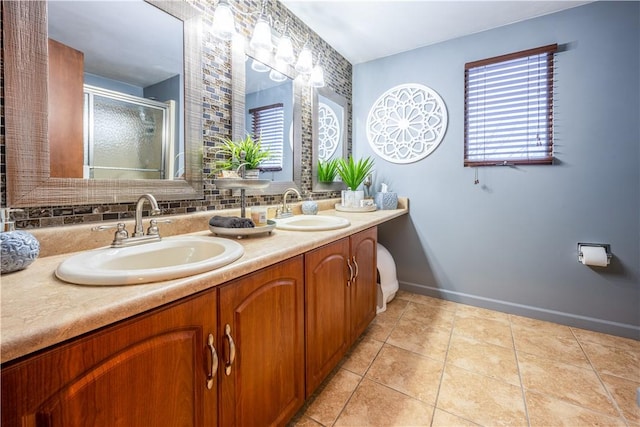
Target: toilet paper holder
(606, 246)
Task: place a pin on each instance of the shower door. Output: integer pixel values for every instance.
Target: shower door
(126, 137)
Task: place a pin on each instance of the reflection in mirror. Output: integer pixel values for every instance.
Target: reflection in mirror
(291, 175)
(329, 121)
(112, 115)
(269, 117)
(29, 178)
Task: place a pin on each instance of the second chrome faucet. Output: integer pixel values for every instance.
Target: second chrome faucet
(285, 210)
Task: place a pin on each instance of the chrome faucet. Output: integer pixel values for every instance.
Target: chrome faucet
(121, 237)
(285, 210)
(139, 228)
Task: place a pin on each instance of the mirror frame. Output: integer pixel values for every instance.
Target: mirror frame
(341, 101)
(26, 129)
(238, 117)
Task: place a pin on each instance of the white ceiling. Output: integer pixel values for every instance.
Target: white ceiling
(363, 30)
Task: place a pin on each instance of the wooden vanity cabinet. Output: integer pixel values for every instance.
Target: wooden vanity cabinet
(340, 300)
(262, 346)
(157, 368)
(150, 370)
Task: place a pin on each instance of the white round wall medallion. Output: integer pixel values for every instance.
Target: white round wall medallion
(407, 123)
(328, 131)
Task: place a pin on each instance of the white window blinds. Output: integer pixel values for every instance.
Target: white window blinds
(268, 126)
(509, 109)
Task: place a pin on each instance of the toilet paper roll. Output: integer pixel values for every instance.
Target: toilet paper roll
(594, 255)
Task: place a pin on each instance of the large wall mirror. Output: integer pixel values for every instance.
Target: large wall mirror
(329, 121)
(258, 84)
(163, 99)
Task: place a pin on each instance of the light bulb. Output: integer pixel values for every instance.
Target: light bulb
(284, 52)
(223, 23)
(305, 61)
(261, 38)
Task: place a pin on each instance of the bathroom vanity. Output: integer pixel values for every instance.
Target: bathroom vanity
(242, 345)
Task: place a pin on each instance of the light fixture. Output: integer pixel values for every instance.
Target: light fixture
(262, 57)
(305, 60)
(223, 23)
(284, 52)
(259, 66)
(261, 38)
(262, 45)
(316, 79)
(276, 75)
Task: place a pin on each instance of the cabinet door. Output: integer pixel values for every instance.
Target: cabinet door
(327, 310)
(363, 288)
(262, 361)
(149, 370)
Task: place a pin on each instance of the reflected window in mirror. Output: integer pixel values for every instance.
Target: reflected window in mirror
(118, 117)
(267, 126)
(329, 121)
(269, 114)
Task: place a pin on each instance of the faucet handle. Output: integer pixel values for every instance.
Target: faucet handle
(120, 234)
(153, 229)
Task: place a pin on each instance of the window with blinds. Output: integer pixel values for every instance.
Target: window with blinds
(508, 109)
(268, 126)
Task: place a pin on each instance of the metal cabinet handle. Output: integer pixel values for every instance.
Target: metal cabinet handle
(232, 349)
(350, 272)
(355, 263)
(214, 362)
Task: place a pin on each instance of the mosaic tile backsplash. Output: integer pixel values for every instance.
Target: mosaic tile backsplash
(216, 101)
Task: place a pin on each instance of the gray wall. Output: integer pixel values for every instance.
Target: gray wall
(509, 243)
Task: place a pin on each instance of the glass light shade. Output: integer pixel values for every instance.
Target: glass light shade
(284, 52)
(277, 76)
(305, 61)
(261, 38)
(223, 23)
(259, 66)
(317, 77)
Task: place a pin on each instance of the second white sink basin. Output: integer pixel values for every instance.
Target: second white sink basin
(170, 258)
(312, 223)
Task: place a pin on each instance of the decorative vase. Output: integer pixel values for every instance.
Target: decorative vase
(352, 198)
(251, 173)
(18, 249)
(309, 207)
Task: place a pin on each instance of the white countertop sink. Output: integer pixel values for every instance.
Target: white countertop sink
(312, 223)
(170, 258)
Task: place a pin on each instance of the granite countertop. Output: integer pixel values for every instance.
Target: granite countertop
(38, 310)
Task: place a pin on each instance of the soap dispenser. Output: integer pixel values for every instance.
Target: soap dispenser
(18, 249)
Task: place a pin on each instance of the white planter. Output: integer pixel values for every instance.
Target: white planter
(351, 198)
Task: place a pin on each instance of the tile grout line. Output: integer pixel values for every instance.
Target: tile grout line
(444, 365)
(364, 374)
(604, 386)
(522, 388)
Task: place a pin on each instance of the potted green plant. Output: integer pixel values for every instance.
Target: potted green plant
(327, 170)
(245, 152)
(353, 174)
